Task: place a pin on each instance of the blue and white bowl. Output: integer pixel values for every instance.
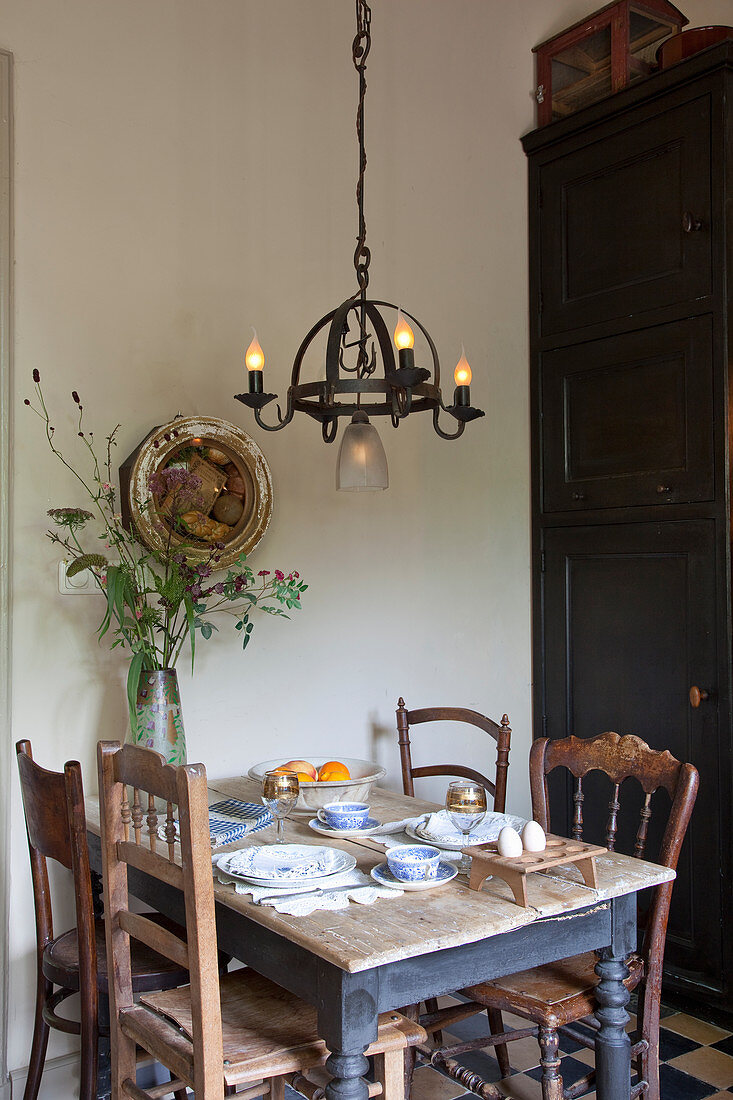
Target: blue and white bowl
(413, 862)
(344, 815)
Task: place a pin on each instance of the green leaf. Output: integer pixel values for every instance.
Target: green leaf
(133, 678)
(191, 627)
(112, 582)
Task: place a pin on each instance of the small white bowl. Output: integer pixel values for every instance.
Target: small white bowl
(314, 796)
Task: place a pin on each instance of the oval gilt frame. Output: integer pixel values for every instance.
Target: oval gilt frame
(200, 432)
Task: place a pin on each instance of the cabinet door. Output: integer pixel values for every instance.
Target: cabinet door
(628, 626)
(629, 420)
(625, 222)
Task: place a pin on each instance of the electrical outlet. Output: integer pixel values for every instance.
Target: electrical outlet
(81, 584)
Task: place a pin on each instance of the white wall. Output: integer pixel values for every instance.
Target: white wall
(185, 170)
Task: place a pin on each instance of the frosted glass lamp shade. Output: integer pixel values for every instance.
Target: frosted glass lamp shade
(362, 463)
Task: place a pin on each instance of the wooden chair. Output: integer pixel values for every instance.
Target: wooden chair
(501, 733)
(213, 1035)
(557, 996)
(74, 961)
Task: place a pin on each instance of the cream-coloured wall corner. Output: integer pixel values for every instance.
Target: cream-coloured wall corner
(185, 170)
(6, 420)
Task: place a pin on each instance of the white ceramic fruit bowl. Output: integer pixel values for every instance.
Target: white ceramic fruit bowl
(313, 796)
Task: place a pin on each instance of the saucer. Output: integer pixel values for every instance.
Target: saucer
(382, 874)
(321, 827)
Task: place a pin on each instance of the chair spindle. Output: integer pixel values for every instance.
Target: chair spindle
(644, 816)
(170, 830)
(137, 816)
(613, 808)
(152, 820)
(125, 815)
(578, 799)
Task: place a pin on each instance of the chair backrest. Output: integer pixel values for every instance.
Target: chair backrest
(53, 803)
(131, 778)
(500, 732)
(622, 758)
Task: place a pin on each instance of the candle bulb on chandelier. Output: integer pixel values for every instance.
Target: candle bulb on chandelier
(404, 339)
(254, 359)
(462, 377)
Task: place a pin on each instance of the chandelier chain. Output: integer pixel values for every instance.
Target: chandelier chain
(362, 255)
(360, 51)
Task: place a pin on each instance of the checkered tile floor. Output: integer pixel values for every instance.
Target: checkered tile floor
(697, 1062)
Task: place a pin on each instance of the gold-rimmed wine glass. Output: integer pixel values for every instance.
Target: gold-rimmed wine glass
(279, 794)
(465, 802)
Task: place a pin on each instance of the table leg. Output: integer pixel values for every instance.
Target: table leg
(613, 1047)
(347, 1022)
(347, 1069)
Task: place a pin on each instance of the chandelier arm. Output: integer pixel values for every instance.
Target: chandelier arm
(446, 435)
(282, 421)
(329, 429)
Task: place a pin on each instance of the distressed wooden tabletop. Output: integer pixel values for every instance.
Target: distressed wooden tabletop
(408, 925)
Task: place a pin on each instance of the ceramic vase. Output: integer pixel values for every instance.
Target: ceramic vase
(158, 717)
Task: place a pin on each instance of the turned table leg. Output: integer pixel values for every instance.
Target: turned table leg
(613, 1047)
(347, 1022)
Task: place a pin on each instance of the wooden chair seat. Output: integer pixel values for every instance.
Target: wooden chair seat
(266, 1029)
(551, 995)
(149, 969)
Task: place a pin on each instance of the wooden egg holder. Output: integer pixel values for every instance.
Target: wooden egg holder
(486, 861)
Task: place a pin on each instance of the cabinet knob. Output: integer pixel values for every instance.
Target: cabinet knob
(690, 223)
(698, 695)
(578, 496)
(661, 489)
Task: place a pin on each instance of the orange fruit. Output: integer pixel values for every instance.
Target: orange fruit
(304, 767)
(332, 771)
(303, 777)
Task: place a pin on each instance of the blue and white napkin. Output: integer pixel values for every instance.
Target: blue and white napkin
(230, 820)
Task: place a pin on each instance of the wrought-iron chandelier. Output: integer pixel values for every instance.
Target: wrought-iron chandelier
(358, 345)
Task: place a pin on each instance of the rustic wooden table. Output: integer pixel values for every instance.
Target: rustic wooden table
(357, 962)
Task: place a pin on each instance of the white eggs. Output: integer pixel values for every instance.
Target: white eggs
(533, 837)
(509, 843)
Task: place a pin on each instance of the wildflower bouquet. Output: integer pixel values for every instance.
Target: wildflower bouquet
(155, 602)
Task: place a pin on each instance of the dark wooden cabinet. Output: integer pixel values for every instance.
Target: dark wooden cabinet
(626, 221)
(628, 420)
(632, 608)
(631, 256)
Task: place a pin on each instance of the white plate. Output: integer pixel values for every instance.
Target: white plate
(382, 874)
(482, 837)
(451, 846)
(327, 830)
(285, 865)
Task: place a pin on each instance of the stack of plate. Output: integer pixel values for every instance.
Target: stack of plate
(452, 840)
(287, 866)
